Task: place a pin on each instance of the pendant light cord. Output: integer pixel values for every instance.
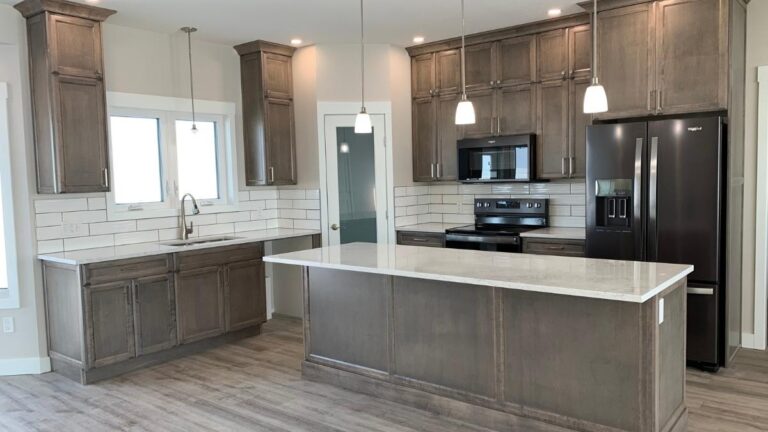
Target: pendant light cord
(594, 43)
(362, 59)
(463, 60)
(189, 31)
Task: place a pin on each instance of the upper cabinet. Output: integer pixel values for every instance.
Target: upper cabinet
(553, 55)
(664, 57)
(68, 96)
(516, 61)
(268, 122)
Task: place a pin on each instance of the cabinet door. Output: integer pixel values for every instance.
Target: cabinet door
(278, 76)
(246, 294)
(485, 116)
(692, 55)
(154, 314)
(422, 75)
(517, 110)
(577, 128)
(447, 134)
(253, 120)
(80, 126)
(448, 71)
(552, 144)
(200, 304)
(480, 66)
(281, 142)
(75, 46)
(424, 139)
(625, 59)
(580, 51)
(553, 55)
(516, 61)
(109, 323)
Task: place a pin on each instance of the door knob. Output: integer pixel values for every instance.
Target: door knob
(335, 227)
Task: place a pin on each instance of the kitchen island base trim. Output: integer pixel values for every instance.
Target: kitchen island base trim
(613, 366)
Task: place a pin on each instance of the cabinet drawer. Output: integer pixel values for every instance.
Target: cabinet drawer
(559, 247)
(412, 238)
(219, 256)
(126, 269)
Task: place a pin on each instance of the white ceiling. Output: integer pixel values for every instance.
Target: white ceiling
(326, 21)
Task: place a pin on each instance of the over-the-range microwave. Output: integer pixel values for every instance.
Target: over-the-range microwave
(497, 159)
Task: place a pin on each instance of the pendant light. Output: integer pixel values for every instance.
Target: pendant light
(189, 31)
(363, 120)
(595, 99)
(465, 111)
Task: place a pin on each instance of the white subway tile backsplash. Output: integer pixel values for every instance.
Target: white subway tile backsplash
(241, 216)
(550, 188)
(313, 214)
(567, 221)
(559, 210)
(253, 205)
(264, 194)
(136, 237)
(218, 229)
(157, 223)
(168, 234)
(406, 220)
(306, 204)
(61, 205)
(203, 219)
(50, 246)
(578, 210)
(285, 223)
(250, 226)
(284, 203)
(91, 242)
(313, 194)
(112, 227)
(458, 218)
(508, 189)
(306, 224)
(59, 231)
(444, 189)
(406, 201)
(87, 216)
(97, 203)
(286, 213)
(289, 194)
(579, 188)
(47, 219)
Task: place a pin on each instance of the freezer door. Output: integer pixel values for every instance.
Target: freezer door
(615, 184)
(685, 195)
(702, 340)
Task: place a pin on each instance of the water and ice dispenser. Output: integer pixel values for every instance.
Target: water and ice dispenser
(613, 203)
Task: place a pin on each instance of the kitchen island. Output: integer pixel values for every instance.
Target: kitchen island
(492, 338)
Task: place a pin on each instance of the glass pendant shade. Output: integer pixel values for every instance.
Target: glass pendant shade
(595, 99)
(363, 123)
(465, 113)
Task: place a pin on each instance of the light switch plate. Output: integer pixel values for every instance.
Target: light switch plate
(661, 311)
(8, 325)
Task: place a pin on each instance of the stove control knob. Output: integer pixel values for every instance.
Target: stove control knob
(538, 205)
(529, 205)
(478, 205)
(486, 205)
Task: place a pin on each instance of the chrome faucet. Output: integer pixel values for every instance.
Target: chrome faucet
(186, 231)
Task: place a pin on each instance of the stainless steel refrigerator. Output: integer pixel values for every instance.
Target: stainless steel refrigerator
(656, 192)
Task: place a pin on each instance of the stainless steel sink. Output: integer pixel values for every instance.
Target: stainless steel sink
(201, 240)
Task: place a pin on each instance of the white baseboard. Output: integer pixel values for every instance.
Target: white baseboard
(25, 366)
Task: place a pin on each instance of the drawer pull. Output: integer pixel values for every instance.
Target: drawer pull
(555, 247)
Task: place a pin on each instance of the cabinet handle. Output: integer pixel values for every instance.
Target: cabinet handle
(491, 83)
(498, 125)
(438, 170)
(105, 174)
(271, 174)
(571, 161)
(651, 97)
(562, 75)
(432, 170)
(555, 247)
(498, 82)
(658, 101)
(492, 118)
(562, 166)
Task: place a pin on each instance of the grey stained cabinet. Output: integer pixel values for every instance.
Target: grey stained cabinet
(68, 96)
(516, 109)
(553, 55)
(266, 77)
(200, 298)
(109, 323)
(434, 138)
(246, 299)
(154, 311)
(517, 61)
(552, 143)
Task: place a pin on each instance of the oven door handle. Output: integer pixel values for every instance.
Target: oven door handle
(468, 238)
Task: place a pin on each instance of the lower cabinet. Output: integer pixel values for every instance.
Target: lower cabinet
(200, 299)
(154, 312)
(246, 295)
(416, 238)
(109, 323)
(559, 247)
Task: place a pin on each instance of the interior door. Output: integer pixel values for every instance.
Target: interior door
(356, 181)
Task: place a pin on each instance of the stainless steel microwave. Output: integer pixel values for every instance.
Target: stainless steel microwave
(497, 159)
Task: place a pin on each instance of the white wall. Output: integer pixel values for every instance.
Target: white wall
(305, 111)
(757, 55)
(25, 350)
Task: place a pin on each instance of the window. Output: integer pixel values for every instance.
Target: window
(157, 157)
(9, 284)
(3, 245)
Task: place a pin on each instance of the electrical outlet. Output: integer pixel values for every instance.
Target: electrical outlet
(661, 311)
(8, 325)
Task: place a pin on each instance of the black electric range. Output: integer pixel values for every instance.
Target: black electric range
(498, 224)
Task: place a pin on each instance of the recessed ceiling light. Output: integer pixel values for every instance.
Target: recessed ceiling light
(418, 39)
(296, 41)
(92, 1)
(554, 12)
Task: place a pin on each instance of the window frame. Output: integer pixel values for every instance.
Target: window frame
(9, 296)
(168, 110)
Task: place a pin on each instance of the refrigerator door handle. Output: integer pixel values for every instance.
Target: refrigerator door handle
(700, 291)
(653, 183)
(637, 200)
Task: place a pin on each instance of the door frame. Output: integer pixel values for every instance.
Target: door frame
(326, 109)
(757, 340)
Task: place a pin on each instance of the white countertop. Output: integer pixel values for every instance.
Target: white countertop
(557, 233)
(431, 227)
(89, 256)
(627, 281)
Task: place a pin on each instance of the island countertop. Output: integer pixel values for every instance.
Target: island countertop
(627, 281)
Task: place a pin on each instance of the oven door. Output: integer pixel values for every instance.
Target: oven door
(484, 243)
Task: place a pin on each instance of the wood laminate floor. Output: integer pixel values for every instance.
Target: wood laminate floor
(256, 385)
